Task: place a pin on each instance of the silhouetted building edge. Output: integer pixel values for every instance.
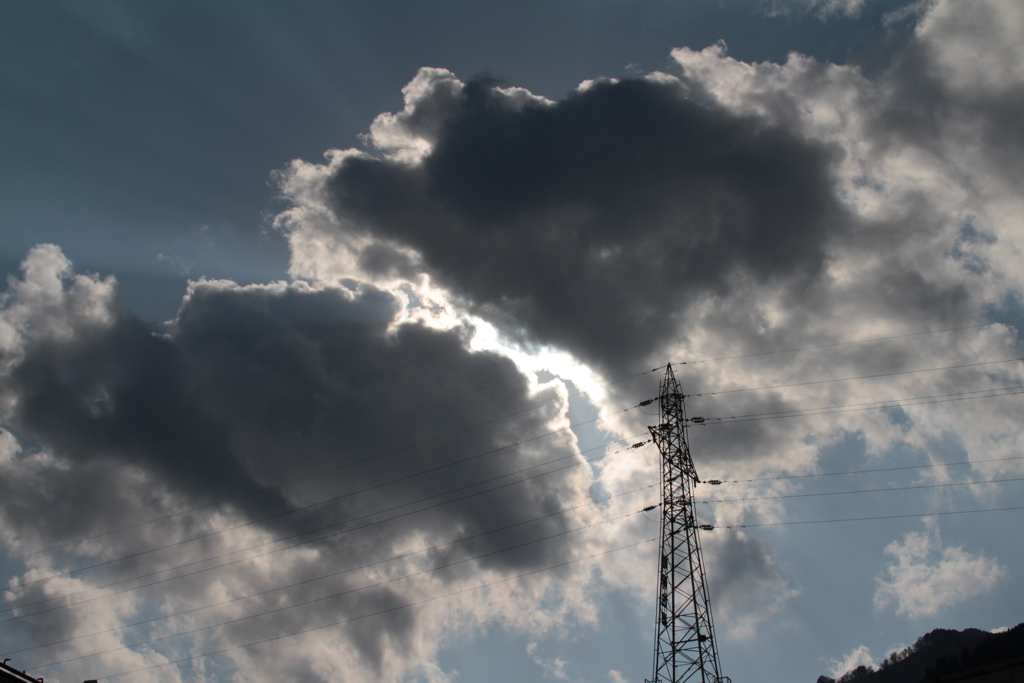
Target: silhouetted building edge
(8, 674)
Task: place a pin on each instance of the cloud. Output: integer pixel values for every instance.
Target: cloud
(721, 210)
(860, 656)
(747, 588)
(553, 668)
(823, 9)
(591, 224)
(109, 422)
(714, 214)
(926, 577)
(724, 209)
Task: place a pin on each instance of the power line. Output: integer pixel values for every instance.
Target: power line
(324, 502)
(844, 493)
(427, 571)
(477, 425)
(887, 403)
(303, 533)
(322, 472)
(848, 379)
(847, 343)
(319, 538)
(460, 540)
(1011, 390)
(354, 493)
(320, 528)
(511, 445)
(833, 411)
(334, 574)
(300, 543)
(340, 594)
(485, 585)
(503, 417)
(865, 519)
(378, 612)
(880, 469)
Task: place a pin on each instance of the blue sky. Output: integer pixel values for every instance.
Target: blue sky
(146, 124)
(316, 252)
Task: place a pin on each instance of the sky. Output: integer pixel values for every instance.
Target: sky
(327, 326)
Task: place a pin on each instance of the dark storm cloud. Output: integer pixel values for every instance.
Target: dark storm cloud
(594, 222)
(260, 385)
(120, 394)
(310, 377)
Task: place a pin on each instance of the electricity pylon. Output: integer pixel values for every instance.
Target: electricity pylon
(685, 648)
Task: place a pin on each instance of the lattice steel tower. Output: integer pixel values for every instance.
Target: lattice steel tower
(685, 648)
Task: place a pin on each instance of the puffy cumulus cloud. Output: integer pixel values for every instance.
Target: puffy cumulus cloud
(714, 215)
(929, 171)
(552, 668)
(728, 209)
(722, 211)
(592, 224)
(926, 576)
(953, 35)
(287, 442)
(40, 305)
(860, 656)
(930, 146)
(747, 587)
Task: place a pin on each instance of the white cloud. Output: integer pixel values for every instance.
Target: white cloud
(50, 302)
(922, 161)
(823, 9)
(616, 676)
(849, 8)
(922, 230)
(913, 9)
(747, 588)
(860, 656)
(976, 46)
(82, 361)
(926, 577)
(410, 134)
(939, 212)
(553, 668)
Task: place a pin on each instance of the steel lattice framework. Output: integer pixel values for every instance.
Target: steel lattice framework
(685, 648)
